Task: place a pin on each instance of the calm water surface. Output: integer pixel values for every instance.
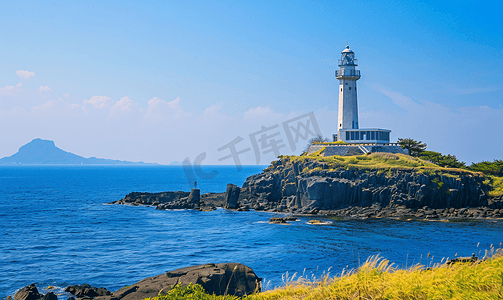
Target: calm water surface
(56, 230)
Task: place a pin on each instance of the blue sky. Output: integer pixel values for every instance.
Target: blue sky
(160, 81)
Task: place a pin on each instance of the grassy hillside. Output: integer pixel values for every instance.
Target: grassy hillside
(381, 161)
(379, 279)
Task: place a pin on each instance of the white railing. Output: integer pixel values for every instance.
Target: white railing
(350, 73)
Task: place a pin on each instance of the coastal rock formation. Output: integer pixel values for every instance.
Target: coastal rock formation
(232, 196)
(29, 292)
(175, 200)
(219, 279)
(307, 186)
(311, 187)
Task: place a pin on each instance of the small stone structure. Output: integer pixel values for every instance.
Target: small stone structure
(356, 149)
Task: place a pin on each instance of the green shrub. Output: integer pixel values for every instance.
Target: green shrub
(494, 168)
(190, 292)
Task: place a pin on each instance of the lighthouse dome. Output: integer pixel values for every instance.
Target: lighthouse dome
(348, 58)
(347, 50)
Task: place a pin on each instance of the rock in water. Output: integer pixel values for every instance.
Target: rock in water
(29, 292)
(50, 296)
(277, 221)
(232, 196)
(85, 290)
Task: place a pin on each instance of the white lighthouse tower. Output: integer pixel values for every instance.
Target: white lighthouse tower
(350, 139)
(348, 129)
(348, 103)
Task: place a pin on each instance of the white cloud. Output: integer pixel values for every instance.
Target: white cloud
(213, 110)
(25, 74)
(19, 84)
(124, 106)
(44, 89)
(159, 109)
(100, 102)
(66, 95)
(6, 90)
(260, 112)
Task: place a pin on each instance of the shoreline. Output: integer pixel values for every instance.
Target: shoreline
(375, 212)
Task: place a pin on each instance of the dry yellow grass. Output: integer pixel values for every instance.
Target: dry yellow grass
(378, 279)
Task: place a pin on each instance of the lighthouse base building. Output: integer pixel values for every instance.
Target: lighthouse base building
(356, 140)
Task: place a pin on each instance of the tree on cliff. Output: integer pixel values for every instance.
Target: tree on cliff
(414, 147)
(448, 161)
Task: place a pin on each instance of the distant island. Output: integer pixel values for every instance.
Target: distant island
(45, 152)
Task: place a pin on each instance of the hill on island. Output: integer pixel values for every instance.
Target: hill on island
(45, 152)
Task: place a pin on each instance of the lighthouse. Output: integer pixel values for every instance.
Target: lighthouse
(348, 128)
(348, 102)
(350, 139)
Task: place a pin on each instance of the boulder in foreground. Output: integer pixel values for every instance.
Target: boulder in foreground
(219, 279)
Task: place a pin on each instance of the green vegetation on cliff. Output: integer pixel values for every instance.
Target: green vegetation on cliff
(388, 162)
(380, 161)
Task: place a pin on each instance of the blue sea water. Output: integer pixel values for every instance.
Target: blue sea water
(55, 229)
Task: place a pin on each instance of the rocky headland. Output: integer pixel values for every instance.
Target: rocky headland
(393, 186)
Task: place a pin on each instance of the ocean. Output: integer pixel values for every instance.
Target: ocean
(56, 229)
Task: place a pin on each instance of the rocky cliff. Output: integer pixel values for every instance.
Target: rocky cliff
(303, 185)
(310, 186)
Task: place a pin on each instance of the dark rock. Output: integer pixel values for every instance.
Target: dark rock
(85, 290)
(227, 278)
(277, 221)
(232, 196)
(194, 197)
(29, 292)
(50, 296)
(471, 259)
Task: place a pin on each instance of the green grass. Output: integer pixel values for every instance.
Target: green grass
(382, 161)
(189, 292)
(497, 184)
